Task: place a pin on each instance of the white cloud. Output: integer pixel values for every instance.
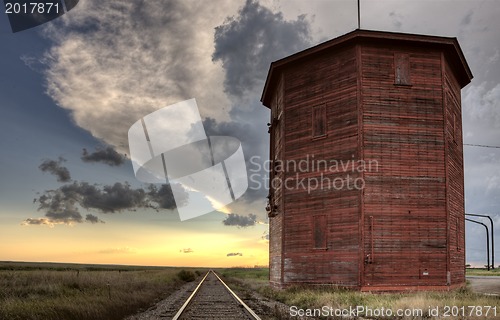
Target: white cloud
(39, 221)
(117, 61)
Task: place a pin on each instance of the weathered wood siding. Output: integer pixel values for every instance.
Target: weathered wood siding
(455, 175)
(406, 199)
(330, 83)
(276, 228)
(386, 113)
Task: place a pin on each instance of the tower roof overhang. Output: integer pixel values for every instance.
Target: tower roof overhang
(449, 45)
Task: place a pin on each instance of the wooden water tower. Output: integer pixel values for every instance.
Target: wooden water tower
(367, 182)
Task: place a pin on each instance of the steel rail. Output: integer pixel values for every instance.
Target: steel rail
(233, 295)
(181, 310)
(247, 309)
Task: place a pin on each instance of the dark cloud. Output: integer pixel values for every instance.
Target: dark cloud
(248, 43)
(164, 198)
(187, 250)
(396, 19)
(107, 199)
(253, 137)
(106, 155)
(234, 219)
(55, 168)
(265, 236)
(61, 206)
(93, 219)
(467, 19)
(62, 210)
(234, 254)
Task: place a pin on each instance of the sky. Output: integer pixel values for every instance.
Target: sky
(71, 88)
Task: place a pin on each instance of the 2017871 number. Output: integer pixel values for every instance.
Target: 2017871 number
(32, 7)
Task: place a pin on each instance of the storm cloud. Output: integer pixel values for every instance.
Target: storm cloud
(265, 236)
(108, 67)
(234, 219)
(107, 155)
(56, 168)
(254, 143)
(163, 196)
(112, 64)
(93, 219)
(106, 199)
(247, 43)
(62, 205)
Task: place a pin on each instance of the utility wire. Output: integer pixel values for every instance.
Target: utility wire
(481, 145)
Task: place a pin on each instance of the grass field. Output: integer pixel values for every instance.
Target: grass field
(40, 291)
(483, 272)
(252, 274)
(46, 291)
(343, 299)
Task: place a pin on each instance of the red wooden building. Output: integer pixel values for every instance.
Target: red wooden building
(367, 183)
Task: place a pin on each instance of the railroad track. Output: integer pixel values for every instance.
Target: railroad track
(213, 299)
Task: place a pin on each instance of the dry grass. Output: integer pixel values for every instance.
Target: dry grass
(483, 272)
(82, 294)
(337, 298)
(344, 299)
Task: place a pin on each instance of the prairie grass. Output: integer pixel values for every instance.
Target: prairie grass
(255, 274)
(46, 294)
(482, 272)
(338, 298)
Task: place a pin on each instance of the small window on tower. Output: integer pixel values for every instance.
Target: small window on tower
(319, 231)
(319, 121)
(402, 69)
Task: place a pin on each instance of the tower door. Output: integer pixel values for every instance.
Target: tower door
(404, 249)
